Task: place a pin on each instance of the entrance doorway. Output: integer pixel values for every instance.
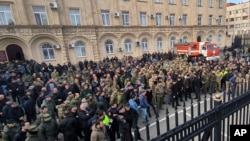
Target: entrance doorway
(14, 52)
(199, 39)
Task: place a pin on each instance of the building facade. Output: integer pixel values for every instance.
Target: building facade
(238, 21)
(59, 31)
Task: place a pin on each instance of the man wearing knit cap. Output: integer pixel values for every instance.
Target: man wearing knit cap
(48, 129)
(32, 134)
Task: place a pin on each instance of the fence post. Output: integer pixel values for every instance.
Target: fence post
(217, 127)
(167, 120)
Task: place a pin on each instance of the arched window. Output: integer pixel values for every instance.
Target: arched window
(184, 39)
(172, 42)
(109, 47)
(219, 39)
(144, 44)
(48, 52)
(80, 49)
(159, 43)
(128, 45)
(209, 38)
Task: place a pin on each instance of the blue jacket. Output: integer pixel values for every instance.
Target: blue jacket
(133, 105)
(143, 102)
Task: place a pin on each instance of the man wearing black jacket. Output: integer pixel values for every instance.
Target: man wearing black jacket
(175, 93)
(197, 85)
(13, 89)
(21, 135)
(84, 117)
(68, 127)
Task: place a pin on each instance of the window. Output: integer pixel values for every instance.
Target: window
(159, 43)
(210, 3)
(210, 20)
(219, 39)
(171, 1)
(158, 19)
(6, 17)
(144, 44)
(105, 18)
(199, 3)
(184, 2)
(109, 47)
(143, 19)
(219, 20)
(128, 45)
(220, 3)
(209, 38)
(75, 17)
(184, 20)
(40, 15)
(199, 19)
(172, 42)
(125, 18)
(80, 49)
(48, 52)
(238, 18)
(184, 39)
(172, 19)
(157, 1)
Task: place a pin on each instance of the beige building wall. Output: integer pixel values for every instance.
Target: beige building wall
(62, 37)
(238, 21)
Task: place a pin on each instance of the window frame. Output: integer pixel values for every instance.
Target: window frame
(210, 20)
(172, 41)
(172, 20)
(159, 43)
(199, 3)
(144, 44)
(143, 18)
(109, 47)
(184, 20)
(41, 15)
(219, 20)
(128, 46)
(184, 2)
(125, 18)
(158, 19)
(219, 39)
(170, 1)
(199, 20)
(105, 18)
(80, 49)
(184, 39)
(6, 13)
(210, 3)
(48, 48)
(75, 16)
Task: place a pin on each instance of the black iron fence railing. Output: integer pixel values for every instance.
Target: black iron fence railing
(210, 121)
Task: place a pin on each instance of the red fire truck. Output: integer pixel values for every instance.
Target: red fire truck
(208, 50)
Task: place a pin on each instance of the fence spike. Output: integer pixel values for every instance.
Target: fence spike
(147, 131)
(192, 109)
(184, 112)
(176, 116)
(211, 101)
(199, 106)
(157, 126)
(167, 119)
(205, 103)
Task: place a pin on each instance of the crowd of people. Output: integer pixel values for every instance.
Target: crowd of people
(102, 101)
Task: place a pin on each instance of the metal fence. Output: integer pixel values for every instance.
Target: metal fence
(208, 122)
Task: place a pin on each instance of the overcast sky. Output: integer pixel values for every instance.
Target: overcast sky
(236, 1)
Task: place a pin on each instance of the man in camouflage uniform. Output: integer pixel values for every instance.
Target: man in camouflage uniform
(159, 93)
(212, 82)
(204, 81)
